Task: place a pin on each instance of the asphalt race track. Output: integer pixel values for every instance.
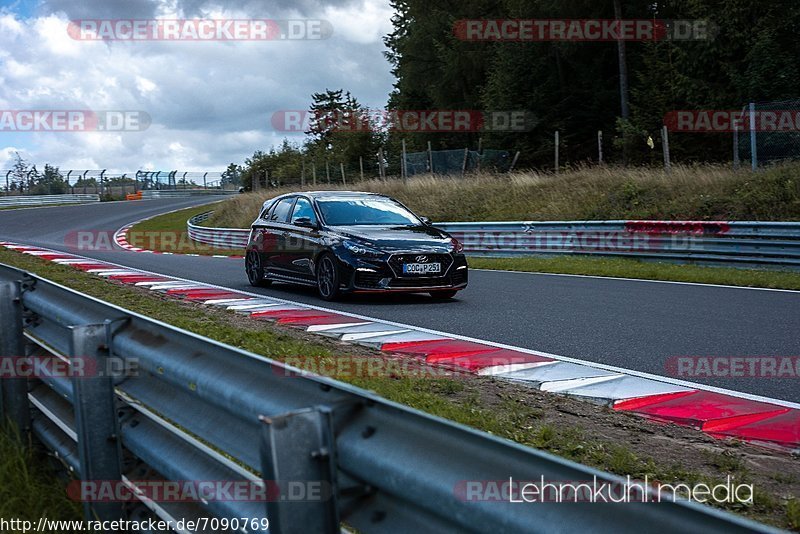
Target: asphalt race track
(632, 324)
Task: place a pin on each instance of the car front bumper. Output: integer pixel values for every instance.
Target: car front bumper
(384, 275)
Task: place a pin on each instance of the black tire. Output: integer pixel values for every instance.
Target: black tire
(444, 294)
(254, 270)
(328, 277)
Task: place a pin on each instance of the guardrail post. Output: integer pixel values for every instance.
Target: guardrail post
(13, 391)
(95, 415)
(299, 470)
(753, 144)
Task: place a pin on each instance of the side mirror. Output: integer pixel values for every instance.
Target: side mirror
(305, 222)
(425, 221)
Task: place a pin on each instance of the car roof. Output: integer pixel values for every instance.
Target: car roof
(319, 194)
(324, 194)
(336, 194)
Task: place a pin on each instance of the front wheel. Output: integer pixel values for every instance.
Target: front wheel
(443, 295)
(328, 278)
(254, 269)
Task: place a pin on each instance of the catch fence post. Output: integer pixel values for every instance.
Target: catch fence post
(403, 164)
(556, 152)
(753, 152)
(600, 147)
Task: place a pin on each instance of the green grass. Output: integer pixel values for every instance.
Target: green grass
(646, 270)
(29, 487)
(703, 192)
(504, 413)
(167, 233)
(690, 193)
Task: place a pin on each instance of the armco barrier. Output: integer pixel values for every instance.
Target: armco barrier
(218, 237)
(44, 200)
(740, 243)
(198, 410)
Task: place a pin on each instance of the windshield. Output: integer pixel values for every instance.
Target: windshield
(362, 211)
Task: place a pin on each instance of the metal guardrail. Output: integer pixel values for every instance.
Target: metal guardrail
(199, 410)
(44, 200)
(739, 243)
(180, 193)
(746, 244)
(232, 238)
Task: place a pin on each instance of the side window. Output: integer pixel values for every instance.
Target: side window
(265, 211)
(281, 211)
(303, 208)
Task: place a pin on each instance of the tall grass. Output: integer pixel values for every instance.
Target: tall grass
(688, 192)
(29, 487)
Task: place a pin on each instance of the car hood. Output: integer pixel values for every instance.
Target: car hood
(397, 238)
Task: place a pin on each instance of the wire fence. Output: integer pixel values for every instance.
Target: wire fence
(770, 133)
(30, 181)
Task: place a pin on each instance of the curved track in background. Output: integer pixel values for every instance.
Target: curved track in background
(632, 324)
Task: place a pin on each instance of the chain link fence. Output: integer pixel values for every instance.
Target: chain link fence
(457, 161)
(770, 133)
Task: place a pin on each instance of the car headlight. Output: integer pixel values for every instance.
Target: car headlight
(456, 245)
(361, 250)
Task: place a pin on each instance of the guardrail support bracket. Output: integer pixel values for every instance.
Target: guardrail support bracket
(13, 390)
(299, 468)
(96, 420)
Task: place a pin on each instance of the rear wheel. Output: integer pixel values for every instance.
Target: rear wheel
(328, 277)
(444, 294)
(254, 269)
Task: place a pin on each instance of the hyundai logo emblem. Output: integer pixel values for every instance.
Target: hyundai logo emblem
(422, 259)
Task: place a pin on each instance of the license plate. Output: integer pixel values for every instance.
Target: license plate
(422, 268)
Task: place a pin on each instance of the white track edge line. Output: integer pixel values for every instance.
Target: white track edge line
(615, 369)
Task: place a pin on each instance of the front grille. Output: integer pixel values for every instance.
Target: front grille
(420, 282)
(397, 261)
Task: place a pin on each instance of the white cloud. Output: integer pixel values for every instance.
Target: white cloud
(210, 103)
(366, 23)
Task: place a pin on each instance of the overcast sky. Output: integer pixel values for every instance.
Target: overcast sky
(210, 102)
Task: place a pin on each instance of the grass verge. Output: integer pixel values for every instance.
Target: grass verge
(645, 270)
(29, 486)
(593, 435)
(703, 192)
(167, 233)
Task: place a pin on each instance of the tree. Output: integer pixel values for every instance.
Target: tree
(341, 130)
(231, 175)
(50, 182)
(19, 173)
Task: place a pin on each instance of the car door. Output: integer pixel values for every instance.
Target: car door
(303, 239)
(260, 238)
(275, 255)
